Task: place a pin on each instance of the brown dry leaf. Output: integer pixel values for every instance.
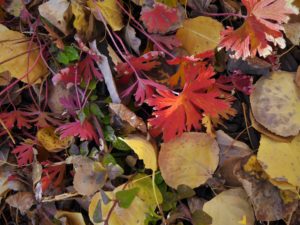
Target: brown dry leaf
(51, 141)
(297, 79)
(134, 215)
(280, 160)
(56, 12)
(72, 218)
(89, 176)
(266, 199)
(5, 78)
(230, 206)
(127, 117)
(292, 31)
(189, 159)
(57, 92)
(54, 37)
(14, 47)
(197, 35)
(21, 200)
(109, 10)
(231, 152)
(275, 103)
(144, 150)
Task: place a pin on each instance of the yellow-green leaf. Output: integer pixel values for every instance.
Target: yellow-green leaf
(230, 207)
(144, 150)
(80, 23)
(109, 10)
(199, 34)
(189, 159)
(14, 47)
(280, 160)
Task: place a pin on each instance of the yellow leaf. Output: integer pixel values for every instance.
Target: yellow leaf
(199, 34)
(14, 57)
(110, 11)
(144, 150)
(275, 103)
(230, 206)
(80, 23)
(146, 193)
(50, 141)
(170, 3)
(243, 221)
(280, 160)
(134, 215)
(190, 159)
(73, 218)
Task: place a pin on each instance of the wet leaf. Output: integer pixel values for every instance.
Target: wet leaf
(189, 159)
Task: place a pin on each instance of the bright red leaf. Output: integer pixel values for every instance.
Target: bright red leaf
(84, 130)
(161, 18)
(24, 154)
(176, 113)
(88, 70)
(263, 24)
(52, 174)
(16, 117)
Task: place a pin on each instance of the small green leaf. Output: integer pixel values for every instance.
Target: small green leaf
(107, 159)
(200, 217)
(71, 53)
(95, 109)
(126, 197)
(121, 145)
(62, 58)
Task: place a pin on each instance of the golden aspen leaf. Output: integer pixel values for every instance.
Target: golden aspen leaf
(80, 23)
(51, 141)
(280, 160)
(275, 103)
(231, 206)
(73, 218)
(144, 150)
(199, 34)
(16, 49)
(109, 10)
(146, 192)
(189, 159)
(135, 214)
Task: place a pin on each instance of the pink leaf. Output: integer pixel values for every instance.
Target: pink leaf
(24, 154)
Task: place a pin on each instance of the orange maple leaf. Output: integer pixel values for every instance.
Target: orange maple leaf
(176, 113)
(263, 24)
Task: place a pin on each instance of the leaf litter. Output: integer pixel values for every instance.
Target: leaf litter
(149, 112)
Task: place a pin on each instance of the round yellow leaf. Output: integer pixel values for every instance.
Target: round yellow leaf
(200, 34)
(189, 159)
(135, 214)
(50, 141)
(230, 207)
(144, 150)
(15, 58)
(275, 103)
(280, 160)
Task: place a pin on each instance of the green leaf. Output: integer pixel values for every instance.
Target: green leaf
(95, 109)
(184, 191)
(107, 159)
(62, 58)
(200, 217)
(121, 145)
(68, 55)
(125, 197)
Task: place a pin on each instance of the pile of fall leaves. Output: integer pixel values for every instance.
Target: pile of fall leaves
(149, 112)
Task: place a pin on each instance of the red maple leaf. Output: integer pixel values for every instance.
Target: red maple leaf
(24, 154)
(161, 18)
(17, 117)
(87, 69)
(52, 174)
(176, 113)
(84, 130)
(263, 24)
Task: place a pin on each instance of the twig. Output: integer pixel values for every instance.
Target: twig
(107, 74)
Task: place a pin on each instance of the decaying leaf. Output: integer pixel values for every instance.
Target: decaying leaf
(51, 141)
(231, 152)
(267, 199)
(292, 31)
(135, 214)
(275, 103)
(110, 10)
(230, 206)
(280, 160)
(16, 50)
(80, 22)
(197, 35)
(128, 117)
(55, 11)
(90, 175)
(72, 218)
(21, 200)
(189, 159)
(144, 150)
(132, 40)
